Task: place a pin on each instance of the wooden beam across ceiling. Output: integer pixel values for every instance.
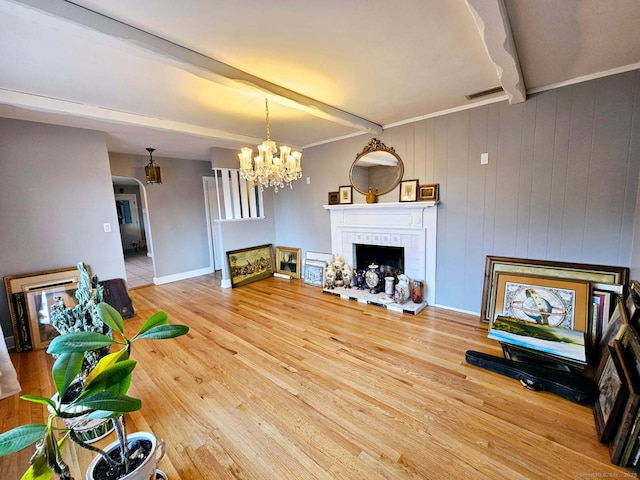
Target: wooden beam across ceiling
(199, 64)
(495, 31)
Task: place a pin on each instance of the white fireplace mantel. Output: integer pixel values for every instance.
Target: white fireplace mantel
(411, 225)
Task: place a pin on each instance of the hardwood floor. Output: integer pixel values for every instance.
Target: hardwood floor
(277, 380)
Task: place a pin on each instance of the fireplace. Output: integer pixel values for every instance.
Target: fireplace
(410, 226)
(389, 259)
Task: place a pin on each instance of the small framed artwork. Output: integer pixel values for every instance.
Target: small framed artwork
(408, 190)
(334, 198)
(612, 394)
(39, 304)
(430, 192)
(616, 323)
(314, 272)
(288, 261)
(346, 194)
(250, 264)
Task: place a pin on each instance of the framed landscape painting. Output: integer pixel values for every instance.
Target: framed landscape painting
(250, 264)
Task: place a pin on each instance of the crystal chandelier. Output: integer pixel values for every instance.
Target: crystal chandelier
(267, 169)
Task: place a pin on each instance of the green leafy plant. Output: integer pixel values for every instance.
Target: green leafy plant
(103, 393)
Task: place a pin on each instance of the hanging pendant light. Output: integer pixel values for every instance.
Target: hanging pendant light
(152, 171)
(266, 168)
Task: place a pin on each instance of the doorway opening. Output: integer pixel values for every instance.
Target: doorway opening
(135, 235)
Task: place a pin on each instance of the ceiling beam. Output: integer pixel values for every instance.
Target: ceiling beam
(199, 64)
(40, 103)
(495, 30)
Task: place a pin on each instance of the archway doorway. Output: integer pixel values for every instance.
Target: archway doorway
(135, 233)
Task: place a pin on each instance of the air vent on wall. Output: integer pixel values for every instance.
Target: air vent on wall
(484, 93)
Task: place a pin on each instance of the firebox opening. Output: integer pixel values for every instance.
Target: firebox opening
(389, 259)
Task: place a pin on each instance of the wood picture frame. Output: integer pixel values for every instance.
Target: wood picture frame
(628, 346)
(617, 321)
(346, 194)
(632, 304)
(39, 304)
(600, 274)
(429, 192)
(612, 394)
(289, 261)
(622, 430)
(17, 286)
(408, 190)
(251, 264)
(333, 198)
(520, 296)
(314, 271)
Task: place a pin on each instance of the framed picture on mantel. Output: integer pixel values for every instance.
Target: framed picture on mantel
(409, 190)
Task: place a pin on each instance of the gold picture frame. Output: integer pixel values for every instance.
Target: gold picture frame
(250, 264)
(288, 261)
(408, 190)
(429, 192)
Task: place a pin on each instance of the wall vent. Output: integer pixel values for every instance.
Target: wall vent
(484, 93)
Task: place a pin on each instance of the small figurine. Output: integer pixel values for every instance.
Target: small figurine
(330, 277)
(347, 275)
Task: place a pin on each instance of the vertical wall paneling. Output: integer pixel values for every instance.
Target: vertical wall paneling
(474, 254)
(525, 182)
(226, 193)
(543, 172)
(578, 159)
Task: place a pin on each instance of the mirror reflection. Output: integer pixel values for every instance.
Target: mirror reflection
(377, 167)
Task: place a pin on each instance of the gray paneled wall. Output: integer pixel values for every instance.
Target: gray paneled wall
(561, 183)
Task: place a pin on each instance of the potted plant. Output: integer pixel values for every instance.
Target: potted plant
(103, 394)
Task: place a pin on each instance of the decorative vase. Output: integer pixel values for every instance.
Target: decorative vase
(146, 470)
(388, 286)
(371, 197)
(373, 278)
(330, 277)
(402, 293)
(417, 291)
(360, 279)
(347, 275)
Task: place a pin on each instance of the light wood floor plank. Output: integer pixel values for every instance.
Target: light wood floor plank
(277, 380)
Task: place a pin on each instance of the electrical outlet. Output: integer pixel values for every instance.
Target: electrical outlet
(107, 227)
(484, 158)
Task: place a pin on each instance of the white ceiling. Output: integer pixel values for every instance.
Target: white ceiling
(148, 72)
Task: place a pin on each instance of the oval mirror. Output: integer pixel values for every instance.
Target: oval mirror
(376, 167)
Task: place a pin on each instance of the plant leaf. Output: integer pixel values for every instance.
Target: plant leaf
(37, 399)
(161, 332)
(79, 342)
(110, 377)
(111, 402)
(65, 369)
(20, 437)
(111, 317)
(158, 318)
(105, 362)
(39, 469)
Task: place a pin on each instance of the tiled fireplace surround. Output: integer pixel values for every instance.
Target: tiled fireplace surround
(411, 225)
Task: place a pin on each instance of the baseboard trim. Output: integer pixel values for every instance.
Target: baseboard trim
(468, 312)
(225, 283)
(11, 344)
(182, 276)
